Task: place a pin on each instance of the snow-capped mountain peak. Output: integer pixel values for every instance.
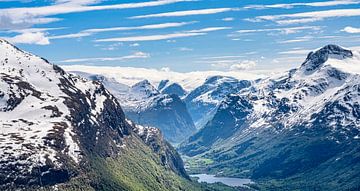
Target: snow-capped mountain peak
(317, 59)
(167, 87)
(299, 93)
(43, 111)
(144, 89)
(216, 80)
(55, 125)
(288, 122)
(28, 87)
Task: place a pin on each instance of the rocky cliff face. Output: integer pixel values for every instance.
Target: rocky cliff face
(57, 129)
(203, 100)
(166, 87)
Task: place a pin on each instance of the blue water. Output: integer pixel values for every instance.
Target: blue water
(225, 180)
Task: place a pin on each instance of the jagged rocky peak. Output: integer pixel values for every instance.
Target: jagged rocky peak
(96, 77)
(166, 87)
(163, 84)
(146, 88)
(316, 59)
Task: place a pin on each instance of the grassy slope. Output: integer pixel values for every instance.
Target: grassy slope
(136, 168)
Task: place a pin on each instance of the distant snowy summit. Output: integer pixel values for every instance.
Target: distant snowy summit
(152, 107)
(203, 100)
(167, 87)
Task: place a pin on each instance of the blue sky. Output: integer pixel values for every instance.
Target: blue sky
(182, 35)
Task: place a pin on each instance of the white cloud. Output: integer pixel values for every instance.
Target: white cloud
(189, 80)
(168, 37)
(209, 29)
(297, 21)
(185, 49)
(11, 18)
(297, 39)
(33, 30)
(289, 30)
(134, 44)
(103, 59)
(351, 30)
(77, 2)
(243, 65)
(312, 4)
(153, 26)
(229, 62)
(305, 17)
(89, 32)
(150, 37)
(186, 13)
(296, 52)
(228, 19)
(111, 47)
(289, 59)
(221, 57)
(74, 35)
(38, 38)
(165, 69)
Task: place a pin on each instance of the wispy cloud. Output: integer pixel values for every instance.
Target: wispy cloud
(288, 30)
(351, 30)
(185, 49)
(228, 19)
(321, 39)
(312, 4)
(150, 37)
(232, 63)
(221, 57)
(12, 18)
(186, 13)
(296, 52)
(89, 32)
(144, 27)
(74, 35)
(297, 39)
(110, 47)
(102, 59)
(243, 65)
(38, 38)
(134, 44)
(32, 30)
(306, 17)
(210, 29)
(190, 33)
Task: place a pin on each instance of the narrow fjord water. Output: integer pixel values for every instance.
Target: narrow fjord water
(225, 180)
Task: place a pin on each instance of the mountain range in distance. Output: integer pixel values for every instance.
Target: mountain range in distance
(76, 130)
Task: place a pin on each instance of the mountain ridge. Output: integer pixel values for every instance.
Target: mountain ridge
(302, 124)
(61, 131)
(147, 106)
